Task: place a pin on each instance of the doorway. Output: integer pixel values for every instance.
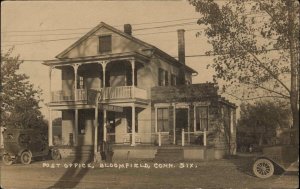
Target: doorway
(182, 122)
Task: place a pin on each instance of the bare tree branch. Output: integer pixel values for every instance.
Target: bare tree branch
(263, 66)
(264, 88)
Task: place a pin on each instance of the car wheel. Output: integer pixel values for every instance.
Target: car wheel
(263, 168)
(26, 157)
(55, 155)
(7, 160)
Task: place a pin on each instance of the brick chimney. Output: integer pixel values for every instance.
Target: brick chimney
(127, 29)
(181, 46)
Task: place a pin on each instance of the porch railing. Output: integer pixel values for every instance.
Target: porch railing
(187, 138)
(126, 138)
(63, 96)
(121, 92)
(117, 92)
(194, 138)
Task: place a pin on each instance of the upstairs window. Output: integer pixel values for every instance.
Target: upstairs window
(163, 77)
(105, 44)
(173, 80)
(160, 77)
(80, 82)
(166, 78)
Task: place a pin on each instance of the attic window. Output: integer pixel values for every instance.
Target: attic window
(105, 44)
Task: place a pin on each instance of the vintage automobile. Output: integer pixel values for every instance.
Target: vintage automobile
(278, 158)
(25, 144)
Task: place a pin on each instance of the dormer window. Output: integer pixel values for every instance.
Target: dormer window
(105, 44)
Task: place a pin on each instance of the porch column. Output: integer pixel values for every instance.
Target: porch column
(75, 66)
(189, 122)
(174, 124)
(103, 63)
(155, 119)
(133, 125)
(104, 125)
(133, 76)
(194, 118)
(50, 137)
(96, 132)
(50, 78)
(76, 128)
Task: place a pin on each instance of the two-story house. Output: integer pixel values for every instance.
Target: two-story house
(120, 90)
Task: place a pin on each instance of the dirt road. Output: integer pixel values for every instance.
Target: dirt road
(229, 173)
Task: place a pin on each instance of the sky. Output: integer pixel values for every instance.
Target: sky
(63, 23)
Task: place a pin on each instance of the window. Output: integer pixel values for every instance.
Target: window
(163, 119)
(173, 80)
(105, 44)
(163, 77)
(201, 118)
(80, 82)
(166, 78)
(160, 77)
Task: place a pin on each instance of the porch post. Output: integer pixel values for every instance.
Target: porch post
(155, 119)
(174, 124)
(75, 66)
(182, 137)
(96, 132)
(133, 125)
(50, 78)
(189, 122)
(194, 118)
(103, 63)
(133, 76)
(104, 125)
(50, 137)
(159, 138)
(76, 128)
(204, 137)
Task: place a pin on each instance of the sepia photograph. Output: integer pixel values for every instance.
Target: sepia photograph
(149, 94)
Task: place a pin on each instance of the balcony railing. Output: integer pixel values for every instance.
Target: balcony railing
(108, 93)
(63, 96)
(118, 92)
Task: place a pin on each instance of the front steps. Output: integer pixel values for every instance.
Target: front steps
(81, 153)
(169, 154)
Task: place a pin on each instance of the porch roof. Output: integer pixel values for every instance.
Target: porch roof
(110, 57)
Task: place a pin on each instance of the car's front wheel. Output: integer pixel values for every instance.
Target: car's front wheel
(263, 168)
(26, 157)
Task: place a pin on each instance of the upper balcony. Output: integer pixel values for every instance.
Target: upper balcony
(102, 94)
(118, 79)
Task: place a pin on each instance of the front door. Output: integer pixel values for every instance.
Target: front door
(181, 123)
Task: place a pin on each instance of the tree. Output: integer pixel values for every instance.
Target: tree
(263, 119)
(256, 48)
(19, 99)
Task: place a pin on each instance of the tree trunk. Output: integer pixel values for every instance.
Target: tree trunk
(294, 71)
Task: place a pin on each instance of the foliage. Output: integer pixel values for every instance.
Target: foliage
(256, 47)
(19, 99)
(263, 119)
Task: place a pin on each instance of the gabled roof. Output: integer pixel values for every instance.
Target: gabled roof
(102, 24)
(130, 37)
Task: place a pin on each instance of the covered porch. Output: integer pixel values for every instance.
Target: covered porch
(115, 77)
